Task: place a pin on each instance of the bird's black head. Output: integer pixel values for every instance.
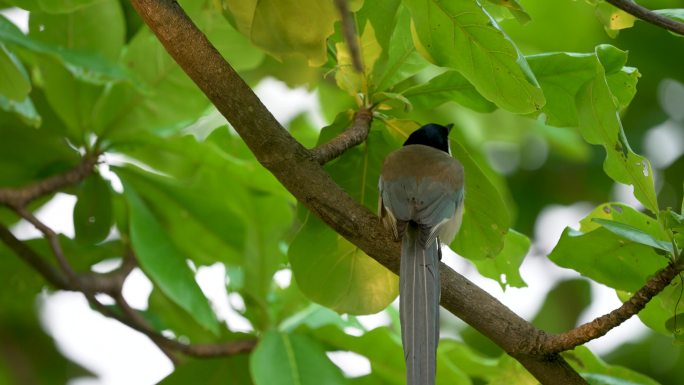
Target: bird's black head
(433, 135)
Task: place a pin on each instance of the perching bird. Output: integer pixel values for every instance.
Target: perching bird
(421, 201)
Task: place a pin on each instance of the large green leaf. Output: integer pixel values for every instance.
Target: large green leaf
(50, 154)
(562, 74)
(446, 87)
(165, 264)
(14, 80)
(90, 67)
(334, 272)
(99, 28)
(463, 36)
(231, 370)
(168, 101)
(63, 6)
(505, 267)
(402, 60)
(292, 359)
(381, 346)
(24, 109)
(598, 372)
(606, 257)
(329, 269)
(286, 27)
(235, 47)
(486, 219)
(600, 124)
(193, 215)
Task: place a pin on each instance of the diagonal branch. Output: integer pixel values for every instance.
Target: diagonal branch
(353, 136)
(48, 271)
(349, 31)
(602, 325)
(18, 197)
(649, 16)
(299, 171)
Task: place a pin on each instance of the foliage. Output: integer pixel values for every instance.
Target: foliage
(184, 191)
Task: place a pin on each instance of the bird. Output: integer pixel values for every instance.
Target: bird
(421, 194)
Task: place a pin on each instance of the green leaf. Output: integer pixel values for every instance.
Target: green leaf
(193, 216)
(286, 27)
(49, 155)
(600, 124)
(164, 264)
(292, 359)
(605, 257)
(231, 370)
(613, 19)
(381, 346)
(401, 60)
(346, 76)
(63, 6)
(90, 67)
(634, 234)
(93, 210)
(99, 28)
(486, 219)
(562, 74)
(598, 372)
(514, 7)
(24, 109)
(505, 267)
(235, 47)
(335, 273)
(329, 269)
(453, 353)
(14, 80)
(448, 86)
(563, 306)
(461, 35)
(169, 101)
(165, 314)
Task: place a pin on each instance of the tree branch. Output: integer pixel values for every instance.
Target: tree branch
(349, 32)
(19, 197)
(649, 16)
(300, 172)
(48, 271)
(91, 283)
(603, 324)
(353, 136)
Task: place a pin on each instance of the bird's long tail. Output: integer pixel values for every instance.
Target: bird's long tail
(419, 306)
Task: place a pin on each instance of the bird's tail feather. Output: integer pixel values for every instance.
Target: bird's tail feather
(419, 306)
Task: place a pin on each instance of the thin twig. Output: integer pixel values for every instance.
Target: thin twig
(19, 197)
(349, 31)
(603, 324)
(353, 136)
(48, 271)
(649, 16)
(53, 240)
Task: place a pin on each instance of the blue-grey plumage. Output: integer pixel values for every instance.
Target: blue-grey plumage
(421, 201)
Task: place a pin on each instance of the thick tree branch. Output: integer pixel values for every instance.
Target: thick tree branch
(300, 172)
(602, 325)
(353, 136)
(649, 16)
(349, 31)
(19, 197)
